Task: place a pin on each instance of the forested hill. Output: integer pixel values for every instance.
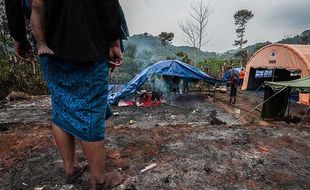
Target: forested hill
(149, 49)
(303, 38)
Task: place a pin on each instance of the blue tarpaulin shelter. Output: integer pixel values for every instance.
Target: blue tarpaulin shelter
(114, 88)
(169, 68)
(227, 74)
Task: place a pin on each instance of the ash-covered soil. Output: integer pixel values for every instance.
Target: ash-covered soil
(192, 149)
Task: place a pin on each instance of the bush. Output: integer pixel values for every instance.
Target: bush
(25, 77)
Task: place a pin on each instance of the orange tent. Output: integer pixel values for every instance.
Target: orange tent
(278, 62)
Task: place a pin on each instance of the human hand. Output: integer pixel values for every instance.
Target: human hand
(22, 50)
(115, 54)
(45, 50)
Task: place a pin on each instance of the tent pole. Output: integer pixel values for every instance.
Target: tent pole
(289, 103)
(259, 87)
(135, 97)
(214, 94)
(257, 106)
(273, 72)
(305, 114)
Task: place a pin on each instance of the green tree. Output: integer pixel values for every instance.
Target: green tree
(242, 55)
(131, 66)
(305, 37)
(241, 17)
(212, 66)
(183, 56)
(166, 38)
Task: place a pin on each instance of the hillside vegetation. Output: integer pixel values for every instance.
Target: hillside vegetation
(145, 49)
(141, 50)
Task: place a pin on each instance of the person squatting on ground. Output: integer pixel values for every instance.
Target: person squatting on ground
(77, 41)
(233, 81)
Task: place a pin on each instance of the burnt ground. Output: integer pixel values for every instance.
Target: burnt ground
(192, 148)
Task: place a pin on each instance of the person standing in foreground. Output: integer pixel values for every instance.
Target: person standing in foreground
(84, 39)
(233, 80)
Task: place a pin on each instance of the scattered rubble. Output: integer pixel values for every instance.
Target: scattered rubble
(214, 120)
(147, 168)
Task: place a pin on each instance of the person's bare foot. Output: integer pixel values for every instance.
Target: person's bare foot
(77, 172)
(45, 50)
(112, 179)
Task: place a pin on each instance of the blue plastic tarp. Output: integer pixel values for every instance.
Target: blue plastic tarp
(169, 68)
(114, 88)
(227, 74)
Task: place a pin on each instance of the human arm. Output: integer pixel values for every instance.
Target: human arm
(17, 27)
(115, 34)
(38, 26)
(115, 54)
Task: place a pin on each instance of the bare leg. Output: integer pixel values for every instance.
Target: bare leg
(38, 26)
(66, 147)
(95, 153)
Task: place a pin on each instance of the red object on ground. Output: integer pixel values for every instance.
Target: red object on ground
(147, 102)
(130, 103)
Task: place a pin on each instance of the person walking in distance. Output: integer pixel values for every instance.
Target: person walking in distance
(233, 81)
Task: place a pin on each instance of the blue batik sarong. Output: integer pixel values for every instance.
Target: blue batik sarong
(26, 5)
(79, 94)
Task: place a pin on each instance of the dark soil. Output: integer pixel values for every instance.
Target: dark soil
(190, 151)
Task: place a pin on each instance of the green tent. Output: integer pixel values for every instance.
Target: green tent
(276, 98)
(300, 85)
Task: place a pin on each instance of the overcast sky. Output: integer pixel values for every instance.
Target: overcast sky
(273, 19)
